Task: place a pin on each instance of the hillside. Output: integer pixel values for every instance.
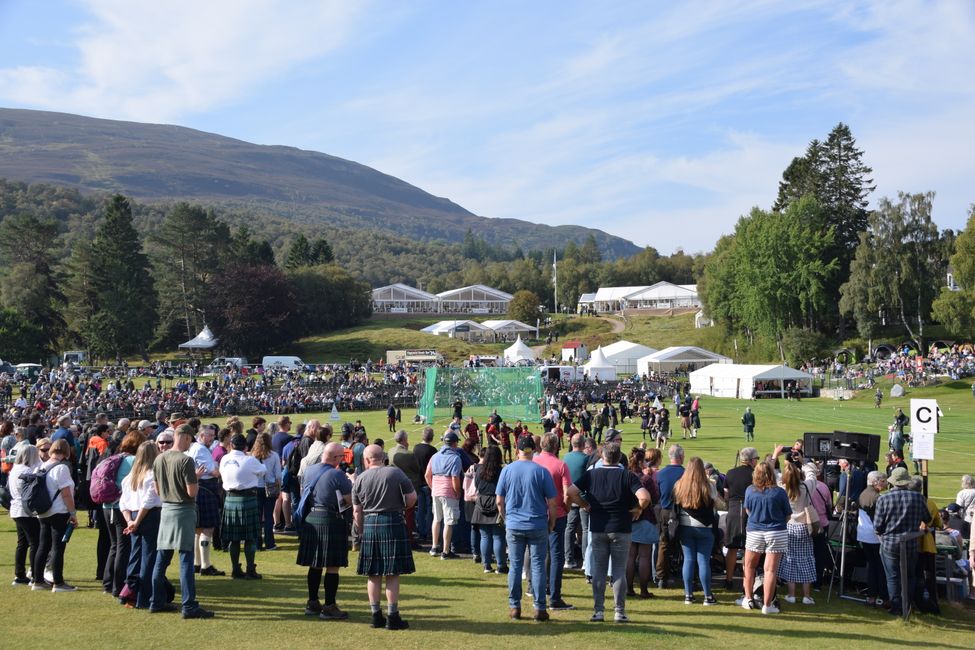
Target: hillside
(155, 163)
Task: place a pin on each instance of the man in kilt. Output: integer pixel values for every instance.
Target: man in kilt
(380, 496)
(737, 481)
(207, 501)
(324, 539)
(177, 480)
(242, 477)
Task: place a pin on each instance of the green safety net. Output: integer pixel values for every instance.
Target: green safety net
(516, 393)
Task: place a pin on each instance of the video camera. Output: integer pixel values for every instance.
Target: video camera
(859, 447)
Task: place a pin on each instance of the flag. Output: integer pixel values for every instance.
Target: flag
(555, 270)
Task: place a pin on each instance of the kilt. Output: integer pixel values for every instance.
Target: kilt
(241, 520)
(385, 549)
(324, 540)
(207, 506)
(735, 523)
(176, 527)
(799, 564)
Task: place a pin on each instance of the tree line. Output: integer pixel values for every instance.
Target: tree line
(818, 262)
(118, 292)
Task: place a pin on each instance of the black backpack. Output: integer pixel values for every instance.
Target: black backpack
(33, 492)
(294, 460)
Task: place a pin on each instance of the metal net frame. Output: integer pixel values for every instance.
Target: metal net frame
(516, 393)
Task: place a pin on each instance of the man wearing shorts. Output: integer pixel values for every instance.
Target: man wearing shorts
(443, 475)
(768, 509)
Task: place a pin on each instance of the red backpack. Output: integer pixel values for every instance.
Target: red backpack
(104, 480)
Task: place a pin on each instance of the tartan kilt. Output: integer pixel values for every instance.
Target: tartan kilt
(241, 519)
(799, 564)
(207, 507)
(323, 541)
(385, 549)
(735, 523)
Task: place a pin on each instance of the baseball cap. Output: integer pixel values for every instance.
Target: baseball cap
(612, 435)
(144, 424)
(450, 437)
(900, 477)
(526, 443)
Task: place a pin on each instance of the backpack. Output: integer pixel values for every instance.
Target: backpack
(104, 486)
(470, 489)
(348, 456)
(307, 498)
(294, 460)
(33, 492)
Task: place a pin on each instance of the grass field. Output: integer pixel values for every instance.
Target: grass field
(455, 603)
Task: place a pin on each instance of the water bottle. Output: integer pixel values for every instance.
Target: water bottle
(67, 534)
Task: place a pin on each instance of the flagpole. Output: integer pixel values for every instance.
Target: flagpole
(555, 279)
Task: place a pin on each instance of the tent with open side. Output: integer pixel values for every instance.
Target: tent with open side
(678, 357)
(518, 352)
(623, 355)
(205, 340)
(598, 367)
(745, 381)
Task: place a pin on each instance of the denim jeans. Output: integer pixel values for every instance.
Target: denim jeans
(266, 505)
(573, 526)
(187, 581)
(556, 559)
(142, 558)
(535, 541)
(586, 551)
(892, 566)
(424, 512)
(696, 544)
(461, 540)
(492, 539)
(607, 547)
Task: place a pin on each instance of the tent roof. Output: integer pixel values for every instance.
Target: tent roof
(755, 372)
(518, 351)
(687, 353)
(205, 340)
(574, 344)
(604, 294)
(663, 290)
(598, 360)
(587, 298)
(507, 325)
(489, 292)
(406, 291)
(448, 325)
(626, 349)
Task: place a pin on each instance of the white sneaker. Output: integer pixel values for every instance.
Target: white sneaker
(49, 575)
(791, 600)
(770, 609)
(64, 587)
(746, 603)
(806, 600)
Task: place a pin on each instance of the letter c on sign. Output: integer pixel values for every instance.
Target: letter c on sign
(923, 414)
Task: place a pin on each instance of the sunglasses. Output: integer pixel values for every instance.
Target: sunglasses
(164, 442)
(45, 450)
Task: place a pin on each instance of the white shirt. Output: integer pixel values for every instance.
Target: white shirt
(202, 458)
(58, 478)
(314, 455)
(13, 484)
(145, 497)
(241, 472)
(273, 466)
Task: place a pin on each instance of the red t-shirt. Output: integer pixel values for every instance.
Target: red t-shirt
(472, 431)
(560, 474)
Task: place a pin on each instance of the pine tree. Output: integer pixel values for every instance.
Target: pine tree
(844, 188)
(299, 254)
(321, 252)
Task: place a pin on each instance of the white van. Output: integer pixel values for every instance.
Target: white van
(283, 363)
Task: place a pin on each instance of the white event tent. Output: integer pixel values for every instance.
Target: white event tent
(205, 340)
(623, 355)
(517, 352)
(598, 367)
(678, 357)
(744, 381)
(461, 329)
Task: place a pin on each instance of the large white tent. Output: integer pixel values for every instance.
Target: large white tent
(518, 351)
(623, 355)
(461, 329)
(507, 327)
(744, 381)
(598, 367)
(678, 357)
(205, 340)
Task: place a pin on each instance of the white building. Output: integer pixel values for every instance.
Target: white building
(662, 295)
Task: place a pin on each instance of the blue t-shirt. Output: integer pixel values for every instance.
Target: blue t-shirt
(279, 441)
(447, 462)
(666, 479)
(326, 487)
(768, 510)
(525, 486)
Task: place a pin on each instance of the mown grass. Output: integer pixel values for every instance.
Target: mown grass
(455, 604)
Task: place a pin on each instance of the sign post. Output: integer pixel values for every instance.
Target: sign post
(924, 426)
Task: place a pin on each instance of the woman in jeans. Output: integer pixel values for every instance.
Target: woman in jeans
(28, 527)
(268, 496)
(54, 522)
(645, 533)
(695, 495)
(485, 512)
(141, 508)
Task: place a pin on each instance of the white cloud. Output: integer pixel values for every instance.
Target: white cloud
(159, 61)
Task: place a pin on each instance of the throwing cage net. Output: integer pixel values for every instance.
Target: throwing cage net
(516, 393)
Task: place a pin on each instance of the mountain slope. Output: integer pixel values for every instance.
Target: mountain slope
(153, 162)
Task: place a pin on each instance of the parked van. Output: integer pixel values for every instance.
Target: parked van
(222, 362)
(283, 363)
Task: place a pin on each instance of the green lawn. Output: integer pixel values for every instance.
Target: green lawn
(455, 603)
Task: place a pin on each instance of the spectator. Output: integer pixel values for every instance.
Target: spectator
(666, 479)
(897, 520)
(768, 510)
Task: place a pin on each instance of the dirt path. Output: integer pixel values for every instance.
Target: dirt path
(617, 324)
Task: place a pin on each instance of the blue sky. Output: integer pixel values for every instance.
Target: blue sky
(660, 122)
